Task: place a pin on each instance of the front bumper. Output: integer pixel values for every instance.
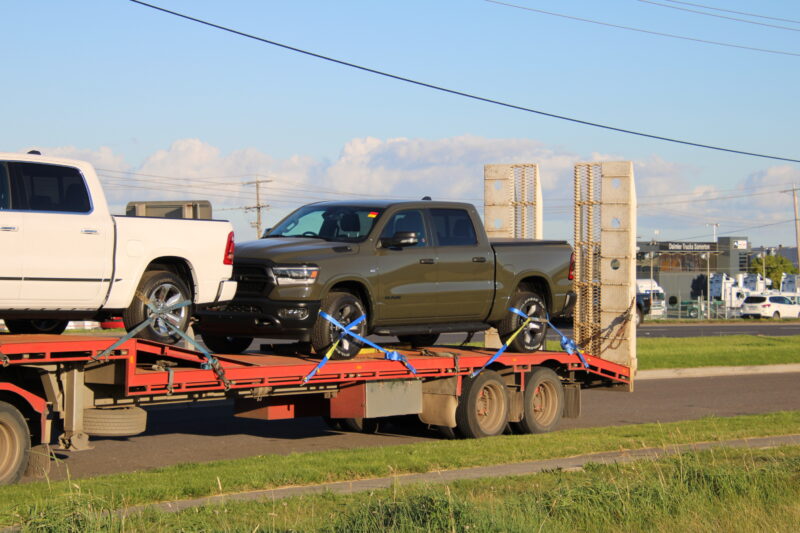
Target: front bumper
(260, 317)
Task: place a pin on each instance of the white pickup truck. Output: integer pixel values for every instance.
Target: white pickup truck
(63, 256)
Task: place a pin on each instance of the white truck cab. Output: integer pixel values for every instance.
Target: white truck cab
(65, 257)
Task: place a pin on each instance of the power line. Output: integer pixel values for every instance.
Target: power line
(640, 30)
(739, 230)
(460, 93)
(735, 12)
(719, 16)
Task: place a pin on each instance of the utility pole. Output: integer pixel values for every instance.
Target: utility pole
(258, 207)
(708, 270)
(793, 190)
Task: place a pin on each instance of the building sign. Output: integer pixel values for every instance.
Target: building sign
(740, 244)
(687, 246)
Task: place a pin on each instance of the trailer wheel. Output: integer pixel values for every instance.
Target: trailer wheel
(418, 341)
(483, 406)
(360, 425)
(532, 337)
(122, 422)
(345, 308)
(543, 402)
(49, 326)
(15, 444)
(161, 288)
(226, 344)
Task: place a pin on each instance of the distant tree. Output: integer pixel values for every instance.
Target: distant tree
(775, 265)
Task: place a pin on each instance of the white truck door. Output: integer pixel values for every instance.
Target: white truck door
(10, 245)
(68, 247)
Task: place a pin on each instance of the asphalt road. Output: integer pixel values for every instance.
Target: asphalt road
(209, 432)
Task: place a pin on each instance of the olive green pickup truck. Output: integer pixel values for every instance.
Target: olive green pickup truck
(416, 269)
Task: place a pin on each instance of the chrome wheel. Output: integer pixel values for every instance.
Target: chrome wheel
(163, 297)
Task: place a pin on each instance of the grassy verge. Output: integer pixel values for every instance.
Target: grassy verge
(723, 490)
(194, 480)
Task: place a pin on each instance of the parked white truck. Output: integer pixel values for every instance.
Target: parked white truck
(63, 256)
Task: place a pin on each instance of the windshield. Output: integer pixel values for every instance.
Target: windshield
(328, 222)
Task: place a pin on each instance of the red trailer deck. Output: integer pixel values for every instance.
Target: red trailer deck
(95, 393)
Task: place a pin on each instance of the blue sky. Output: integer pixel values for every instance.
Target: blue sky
(144, 94)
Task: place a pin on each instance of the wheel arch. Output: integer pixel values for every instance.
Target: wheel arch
(177, 265)
(539, 284)
(357, 288)
(32, 407)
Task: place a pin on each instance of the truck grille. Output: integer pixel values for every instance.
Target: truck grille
(252, 280)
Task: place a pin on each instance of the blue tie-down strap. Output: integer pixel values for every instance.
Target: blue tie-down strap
(391, 356)
(212, 363)
(333, 347)
(567, 344)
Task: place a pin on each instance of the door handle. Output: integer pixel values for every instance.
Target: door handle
(427, 261)
(87, 231)
(8, 228)
(478, 259)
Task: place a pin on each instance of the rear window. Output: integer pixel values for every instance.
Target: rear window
(453, 227)
(41, 187)
(755, 300)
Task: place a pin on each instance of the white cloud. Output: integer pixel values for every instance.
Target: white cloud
(448, 169)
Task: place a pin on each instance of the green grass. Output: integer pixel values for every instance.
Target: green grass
(195, 480)
(724, 350)
(721, 490)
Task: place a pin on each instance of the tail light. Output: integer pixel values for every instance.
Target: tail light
(571, 274)
(229, 247)
(765, 305)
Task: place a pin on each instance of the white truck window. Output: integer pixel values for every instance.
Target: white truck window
(38, 187)
(5, 189)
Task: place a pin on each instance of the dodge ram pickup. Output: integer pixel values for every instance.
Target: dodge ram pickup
(416, 269)
(65, 257)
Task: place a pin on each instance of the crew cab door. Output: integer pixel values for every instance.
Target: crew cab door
(406, 275)
(466, 266)
(66, 247)
(10, 242)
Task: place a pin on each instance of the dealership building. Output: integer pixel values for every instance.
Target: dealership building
(682, 267)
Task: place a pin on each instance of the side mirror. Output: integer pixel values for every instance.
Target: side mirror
(266, 232)
(400, 239)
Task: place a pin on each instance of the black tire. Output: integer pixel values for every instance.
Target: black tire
(45, 326)
(15, 444)
(226, 344)
(122, 422)
(543, 402)
(360, 425)
(419, 341)
(39, 461)
(345, 308)
(531, 338)
(483, 406)
(161, 288)
(639, 317)
(333, 423)
(776, 315)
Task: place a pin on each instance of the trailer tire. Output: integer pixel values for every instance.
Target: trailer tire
(543, 402)
(122, 422)
(226, 344)
(161, 288)
(44, 326)
(345, 308)
(15, 444)
(360, 425)
(39, 461)
(419, 341)
(531, 338)
(483, 406)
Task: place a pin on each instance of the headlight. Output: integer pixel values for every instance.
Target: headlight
(299, 275)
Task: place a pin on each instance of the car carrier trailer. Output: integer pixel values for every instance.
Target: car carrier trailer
(87, 386)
